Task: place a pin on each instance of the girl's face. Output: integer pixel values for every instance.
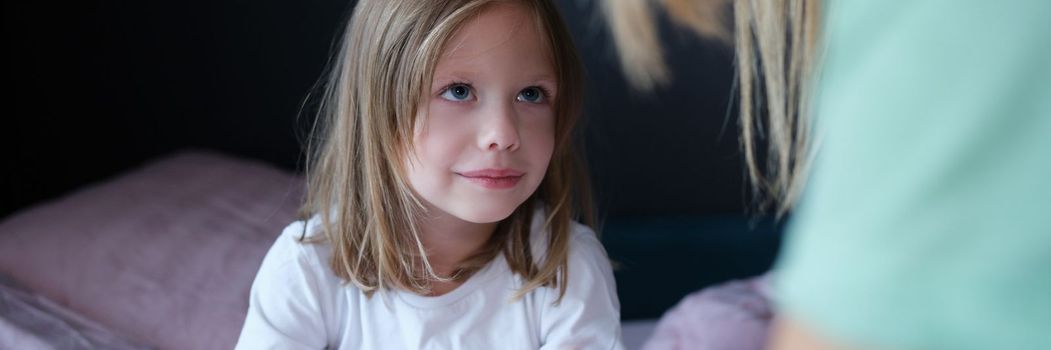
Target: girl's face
(485, 137)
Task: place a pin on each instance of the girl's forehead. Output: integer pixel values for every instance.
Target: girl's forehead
(497, 26)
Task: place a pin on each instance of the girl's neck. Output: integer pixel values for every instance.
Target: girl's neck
(449, 240)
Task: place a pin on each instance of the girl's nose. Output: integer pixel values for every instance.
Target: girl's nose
(499, 131)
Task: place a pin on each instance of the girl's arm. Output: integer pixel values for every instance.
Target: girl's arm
(588, 316)
(284, 309)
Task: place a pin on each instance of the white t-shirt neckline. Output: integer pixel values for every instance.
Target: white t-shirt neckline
(495, 267)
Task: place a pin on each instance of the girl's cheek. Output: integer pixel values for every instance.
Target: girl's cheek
(442, 113)
(543, 120)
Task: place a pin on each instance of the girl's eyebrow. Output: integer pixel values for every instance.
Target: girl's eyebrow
(466, 77)
(545, 78)
(456, 75)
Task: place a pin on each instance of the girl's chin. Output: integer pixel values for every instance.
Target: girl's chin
(484, 213)
(484, 217)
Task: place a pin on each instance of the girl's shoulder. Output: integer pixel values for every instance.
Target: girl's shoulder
(300, 250)
(583, 239)
(301, 239)
(589, 310)
(295, 295)
(586, 254)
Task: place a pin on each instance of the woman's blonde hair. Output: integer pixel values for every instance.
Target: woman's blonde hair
(775, 43)
(356, 181)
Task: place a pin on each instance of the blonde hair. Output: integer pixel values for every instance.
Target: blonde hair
(774, 74)
(356, 179)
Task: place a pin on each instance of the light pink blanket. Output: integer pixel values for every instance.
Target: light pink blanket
(731, 316)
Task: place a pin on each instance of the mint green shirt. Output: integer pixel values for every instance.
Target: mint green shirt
(926, 222)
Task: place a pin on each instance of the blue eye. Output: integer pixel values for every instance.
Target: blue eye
(531, 95)
(457, 92)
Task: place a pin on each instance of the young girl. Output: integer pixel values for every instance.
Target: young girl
(443, 193)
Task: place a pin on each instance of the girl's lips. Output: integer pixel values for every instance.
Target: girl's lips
(492, 173)
(493, 178)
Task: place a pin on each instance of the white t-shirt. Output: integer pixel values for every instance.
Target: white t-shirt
(297, 302)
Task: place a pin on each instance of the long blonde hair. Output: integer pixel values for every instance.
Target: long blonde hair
(775, 43)
(356, 179)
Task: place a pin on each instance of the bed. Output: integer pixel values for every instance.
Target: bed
(164, 256)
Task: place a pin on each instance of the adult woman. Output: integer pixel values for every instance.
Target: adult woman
(923, 223)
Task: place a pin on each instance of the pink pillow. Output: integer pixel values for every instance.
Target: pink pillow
(164, 254)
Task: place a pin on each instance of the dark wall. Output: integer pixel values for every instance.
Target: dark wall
(669, 151)
(98, 87)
